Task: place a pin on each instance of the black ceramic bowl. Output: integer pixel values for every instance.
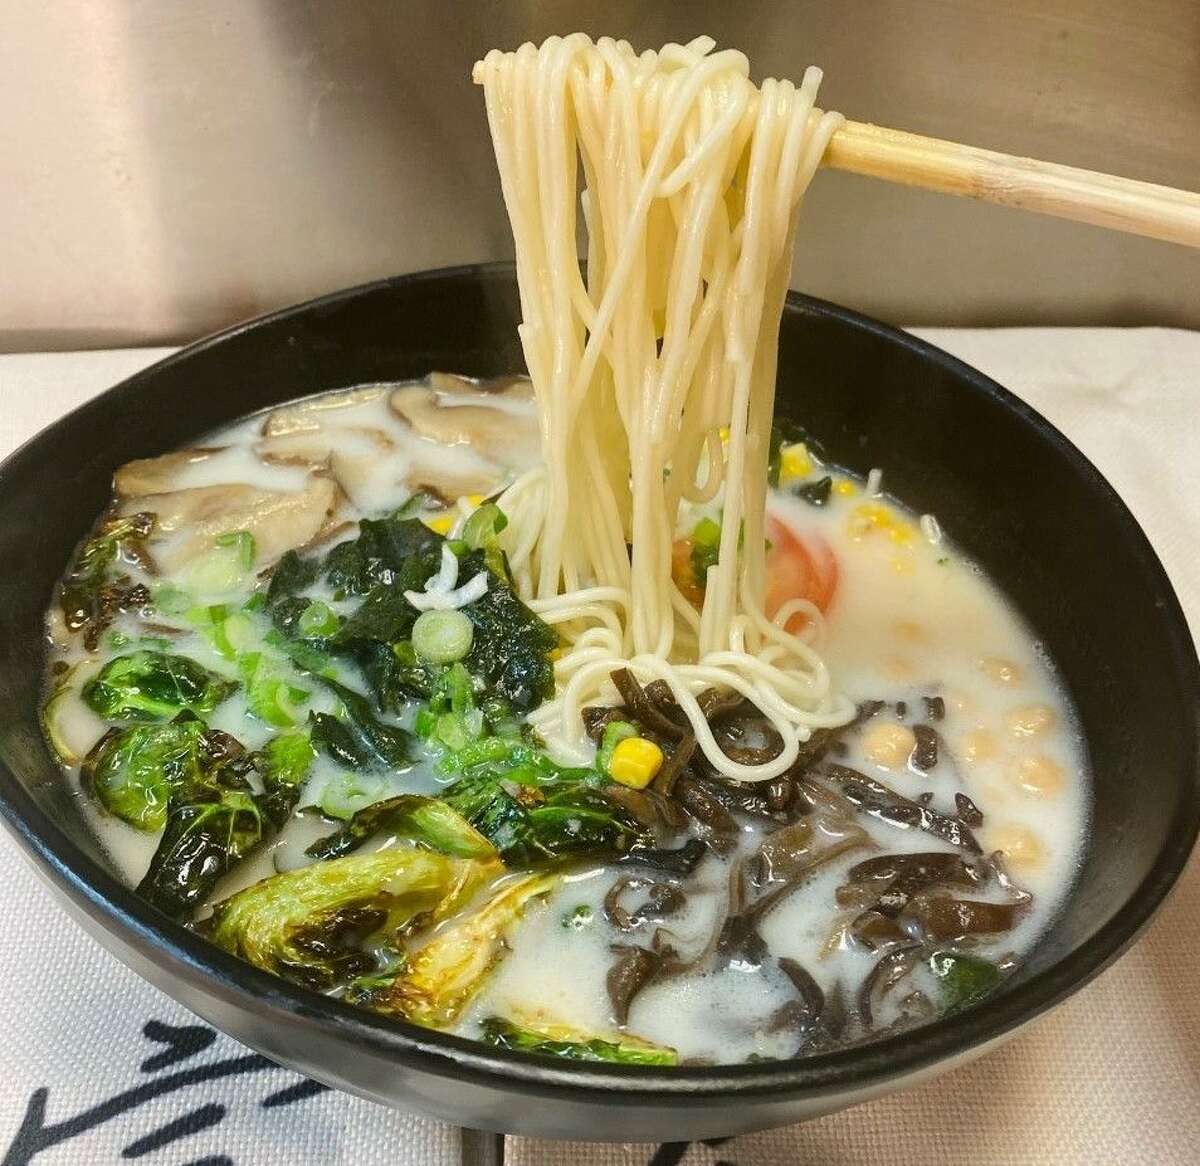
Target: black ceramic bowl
(1014, 493)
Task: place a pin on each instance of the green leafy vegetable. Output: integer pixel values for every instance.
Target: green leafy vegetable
(425, 820)
(154, 686)
(532, 820)
(451, 718)
(963, 979)
(560, 1041)
(213, 821)
(302, 654)
(309, 925)
(194, 785)
(270, 695)
(118, 640)
(89, 598)
(283, 763)
(171, 600)
(133, 772)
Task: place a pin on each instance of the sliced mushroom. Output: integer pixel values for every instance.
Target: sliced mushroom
(157, 475)
(189, 520)
(468, 415)
(354, 454)
(307, 416)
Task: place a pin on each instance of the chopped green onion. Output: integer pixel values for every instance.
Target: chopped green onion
(243, 543)
(614, 733)
(578, 919)
(706, 533)
(442, 637)
(318, 620)
(171, 600)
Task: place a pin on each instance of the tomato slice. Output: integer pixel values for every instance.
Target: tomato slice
(799, 567)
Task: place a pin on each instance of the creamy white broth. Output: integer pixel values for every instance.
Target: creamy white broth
(911, 619)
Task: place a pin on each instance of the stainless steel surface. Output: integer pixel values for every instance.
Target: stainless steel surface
(168, 168)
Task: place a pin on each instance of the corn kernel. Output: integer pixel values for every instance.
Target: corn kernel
(845, 488)
(441, 524)
(903, 534)
(635, 761)
(724, 432)
(475, 500)
(794, 462)
(870, 516)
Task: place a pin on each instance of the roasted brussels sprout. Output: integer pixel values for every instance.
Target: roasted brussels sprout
(133, 772)
(310, 925)
(440, 978)
(556, 1040)
(154, 686)
(426, 820)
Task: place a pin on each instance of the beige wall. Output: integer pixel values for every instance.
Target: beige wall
(167, 167)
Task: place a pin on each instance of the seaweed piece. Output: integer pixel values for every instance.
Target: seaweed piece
(291, 575)
(816, 492)
(398, 553)
(511, 647)
(359, 738)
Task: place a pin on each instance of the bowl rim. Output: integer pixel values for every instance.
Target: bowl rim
(116, 908)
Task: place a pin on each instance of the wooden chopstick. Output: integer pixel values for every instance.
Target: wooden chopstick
(1122, 204)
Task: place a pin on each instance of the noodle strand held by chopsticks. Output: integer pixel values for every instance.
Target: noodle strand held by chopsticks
(654, 374)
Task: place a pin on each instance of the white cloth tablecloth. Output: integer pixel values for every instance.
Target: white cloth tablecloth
(98, 1066)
